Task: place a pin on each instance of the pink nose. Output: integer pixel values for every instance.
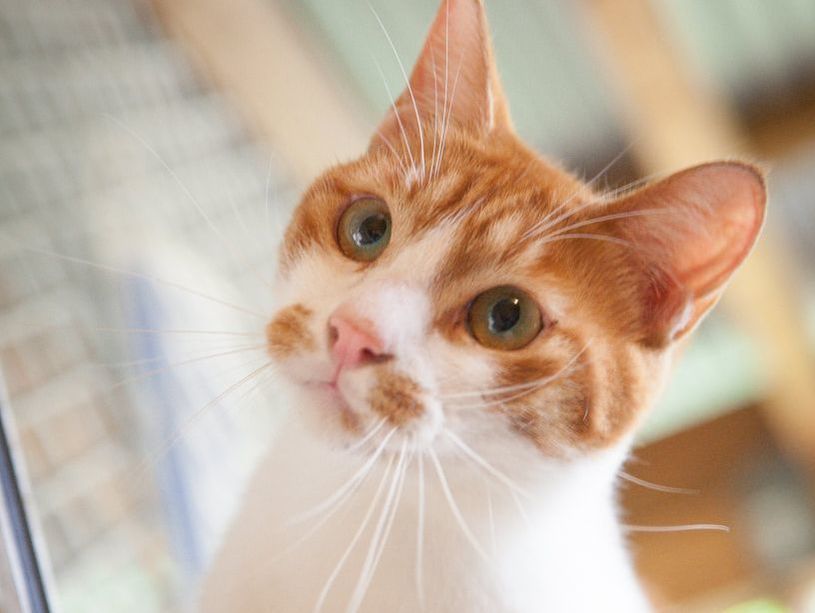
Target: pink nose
(353, 342)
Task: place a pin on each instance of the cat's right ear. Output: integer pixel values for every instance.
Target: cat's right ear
(454, 82)
(686, 236)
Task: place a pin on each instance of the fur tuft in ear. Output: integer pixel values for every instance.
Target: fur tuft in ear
(689, 233)
(454, 82)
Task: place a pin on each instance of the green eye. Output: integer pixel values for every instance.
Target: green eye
(504, 317)
(364, 229)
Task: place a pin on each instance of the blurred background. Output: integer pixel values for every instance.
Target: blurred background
(151, 152)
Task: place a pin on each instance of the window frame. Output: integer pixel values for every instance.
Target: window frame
(23, 567)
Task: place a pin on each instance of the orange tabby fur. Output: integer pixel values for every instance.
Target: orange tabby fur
(619, 282)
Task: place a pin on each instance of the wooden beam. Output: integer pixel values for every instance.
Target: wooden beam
(675, 120)
(264, 64)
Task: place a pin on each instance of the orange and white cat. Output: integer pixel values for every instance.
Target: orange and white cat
(471, 335)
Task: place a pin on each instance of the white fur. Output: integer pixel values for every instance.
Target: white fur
(560, 550)
(555, 547)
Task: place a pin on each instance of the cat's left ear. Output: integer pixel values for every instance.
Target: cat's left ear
(686, 236)
(454, 82)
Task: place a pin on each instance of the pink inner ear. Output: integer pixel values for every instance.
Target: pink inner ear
(731, 207)
(454, 80)
(705, 221)
(455, 60)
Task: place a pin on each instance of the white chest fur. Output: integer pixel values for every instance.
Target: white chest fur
(559, 549)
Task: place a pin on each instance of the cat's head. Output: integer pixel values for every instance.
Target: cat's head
(452, 280)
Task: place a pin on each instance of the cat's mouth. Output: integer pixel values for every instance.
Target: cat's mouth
(331, 390)
(390, 395)
(334, 404)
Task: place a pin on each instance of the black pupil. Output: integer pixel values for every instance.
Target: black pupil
(371, 230)
(505, 315)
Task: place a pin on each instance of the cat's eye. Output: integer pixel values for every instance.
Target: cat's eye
(364, 229)
(504, 317)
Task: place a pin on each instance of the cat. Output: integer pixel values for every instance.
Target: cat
(470, 336)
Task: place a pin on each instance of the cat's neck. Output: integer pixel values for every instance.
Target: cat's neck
(550, 544)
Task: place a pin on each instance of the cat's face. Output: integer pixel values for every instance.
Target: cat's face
(451, 280)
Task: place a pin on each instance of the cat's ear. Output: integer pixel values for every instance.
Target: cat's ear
(454, 82)
(687, 235)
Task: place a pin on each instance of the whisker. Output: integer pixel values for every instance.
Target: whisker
(480, 461)
(347, 486)
(435, 112)
(267, 193)
(191, 332)
(511, 388)
(437, 161)
(391, 148)
(628, 187)
(521, 509)
(547, 221)
(357, 535)
(679, 528)
(407, 82)
(491, 515)
(332, 508)
(528, 389)
(596, 237)
(420, 531)
(185, 190)
(172, 365)
(448, 117)
(371, 433)
(236, 212)
(162, 359)
(141, 470)
(448, 494)
(381, 532)
(403, 132)
(656, 486)
(601, 219)
(144, 277)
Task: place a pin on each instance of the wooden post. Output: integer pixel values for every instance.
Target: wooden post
(675, 121)
(262, 63)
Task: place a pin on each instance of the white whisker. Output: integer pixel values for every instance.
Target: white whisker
(391, 148)
(435, 113)
(191, 332)
(600, 219)
(381, 532)
(364, 440)
(541, 383)
(354, 539)
(512, 388)
(448, 494)
(169, 367)
(144, 277)
(184, 189)
(547, 222)
(656, 486)
(420, 531)
(480, 461)
(448, 117)
(407, 82)
(347, 487)
(402, 131)
(141, 469)
(337, 504)
(679, 528)
(521, 509)
(491, 515)
(597, 237)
